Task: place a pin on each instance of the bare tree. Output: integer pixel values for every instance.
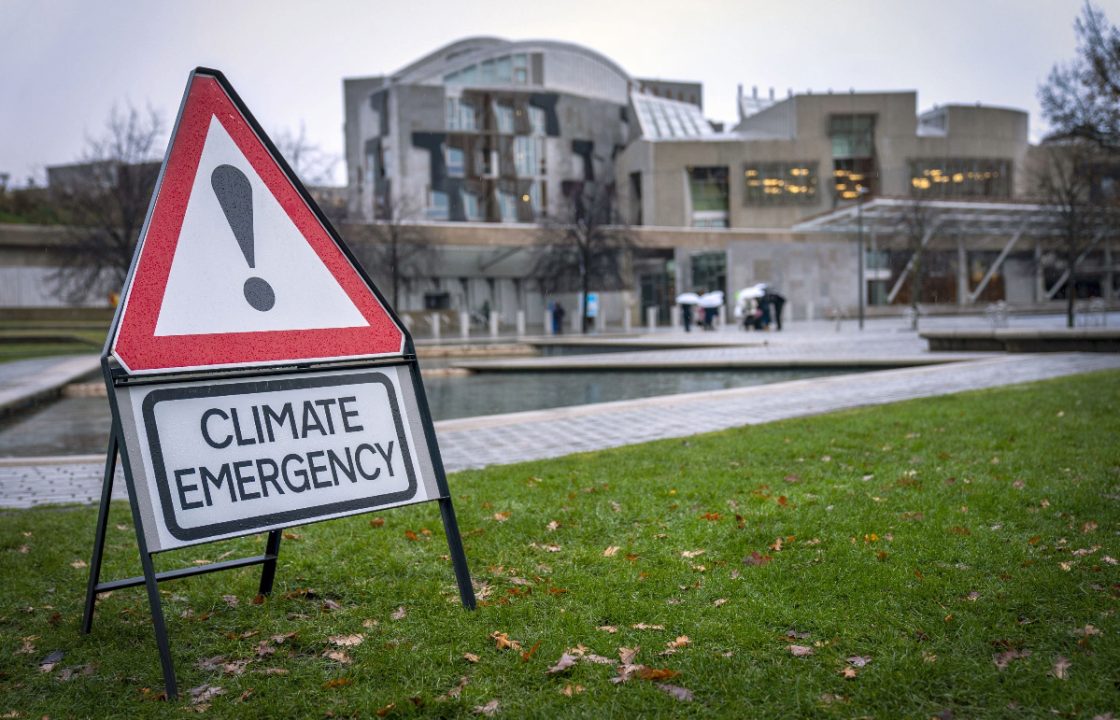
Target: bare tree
(584, 248)
(1081, 98)
(314, 166)
(1067, 178)
(104, 199)
(916, 226)
(395, 249)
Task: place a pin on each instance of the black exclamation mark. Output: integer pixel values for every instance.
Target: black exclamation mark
(235, 195)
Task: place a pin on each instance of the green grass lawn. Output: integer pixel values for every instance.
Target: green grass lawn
(23, 339)
(950, 557)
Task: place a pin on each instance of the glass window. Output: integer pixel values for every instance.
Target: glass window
(853, 177)
(471, 206)
(456, 162)
(438, 206)
(460, 115)
(503, 70)
(503, 118)
(528, 156)
(533, 197)
(536, 121)
(708, 187)
(521, 69)
(780, 183)
(852, 135)
(486, 74)
(709, 271)
(960, 177)
(507, 206)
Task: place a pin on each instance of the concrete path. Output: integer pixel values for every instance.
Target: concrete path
(501, 439)
(24, 382)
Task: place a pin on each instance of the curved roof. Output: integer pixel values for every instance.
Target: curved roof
(468, 51)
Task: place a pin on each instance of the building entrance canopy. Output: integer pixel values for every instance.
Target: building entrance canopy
(890, 215)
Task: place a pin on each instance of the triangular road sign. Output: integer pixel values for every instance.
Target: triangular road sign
(235, 267)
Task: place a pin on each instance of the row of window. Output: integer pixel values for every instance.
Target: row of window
(504, 70)
(786, 183)
(439, 204)
(528, 159)
(463, 114)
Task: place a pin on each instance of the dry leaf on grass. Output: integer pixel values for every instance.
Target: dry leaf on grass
(566, 661)
(48, 663)
(800, 650)
(627, 655)
(719, 602)
(644, 626)
(678, 692)
(612, 629)
(399, 613)
(346, 640)
(489, 709)
(849, 673)
(1003, 659)
(339, 656)
(503, 641)
(756, 559)
(76, 671)
(471, 657)
(79, 564)
(611, 551)
(1061, 668)
(205, 693)
(691, 553)
(337, 683)
(859, 660)
(570, 690)
(454, 692)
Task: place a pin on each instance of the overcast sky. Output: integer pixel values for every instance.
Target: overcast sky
(64, 63)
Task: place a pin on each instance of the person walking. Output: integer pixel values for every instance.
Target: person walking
(686, 316)
(558, 319)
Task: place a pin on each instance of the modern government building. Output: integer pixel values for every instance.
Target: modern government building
(479, 140)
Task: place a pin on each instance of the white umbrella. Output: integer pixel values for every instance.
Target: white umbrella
(688, 298)
(748, 293)
(711, 300)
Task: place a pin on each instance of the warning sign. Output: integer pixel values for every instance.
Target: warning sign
(235, 268)
(257, 380)
(235, 457)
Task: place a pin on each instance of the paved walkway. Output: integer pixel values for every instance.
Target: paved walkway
(23, 382)
(500, 439)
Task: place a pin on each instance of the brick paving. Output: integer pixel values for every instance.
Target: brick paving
(501, 439)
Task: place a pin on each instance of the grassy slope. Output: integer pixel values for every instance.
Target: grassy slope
(942, 527)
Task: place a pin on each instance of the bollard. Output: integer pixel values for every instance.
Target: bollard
(464, 325)
(434, 320)
(651, 318)
(808, 311)
(577, 323)
(520, 323)
(626, 319)
(407, 320)
(721, 319)
(493, 324)
(675, 316)
(548, 330)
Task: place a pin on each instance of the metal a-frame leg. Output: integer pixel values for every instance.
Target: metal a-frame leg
(99, 533)
(458, 555)
(268, 571)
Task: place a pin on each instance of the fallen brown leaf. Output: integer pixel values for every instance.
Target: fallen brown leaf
(471, 657)
(339, 656)
(627, 655)
(654, 674)
(800, 650)
(611, 551)
(399, 613)
(644, 626)
(570, 690)
(612, 629)
(489, 709)
(503, 642)
(757, 559)
(859, 661)
(1003, 659)
(1061, 668)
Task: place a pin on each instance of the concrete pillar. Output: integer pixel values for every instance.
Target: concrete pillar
(493, 324)
(1039, 276)
(651, 318)
(809, 310)
(962, 272)
(626, 319)
(675, 316)
(434, 320)
(464, 325)
(548, 321)
(577, 322)
(721, 318)
(520, 323)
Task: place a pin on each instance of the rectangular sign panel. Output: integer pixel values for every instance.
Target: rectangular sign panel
(223, 458)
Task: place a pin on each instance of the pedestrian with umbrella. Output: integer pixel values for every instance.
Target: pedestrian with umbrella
(687, 301)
